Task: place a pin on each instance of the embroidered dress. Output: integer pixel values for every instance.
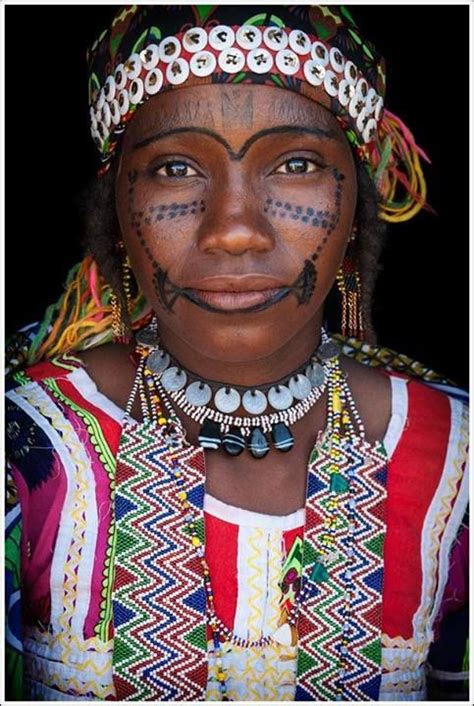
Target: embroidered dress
(111, 598)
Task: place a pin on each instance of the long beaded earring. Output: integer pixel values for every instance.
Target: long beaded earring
(119, 326)
(348, 282)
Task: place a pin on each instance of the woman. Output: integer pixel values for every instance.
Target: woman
(220, 503)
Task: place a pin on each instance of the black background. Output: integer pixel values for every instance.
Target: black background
(422, 294)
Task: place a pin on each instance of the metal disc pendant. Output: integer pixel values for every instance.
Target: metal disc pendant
(198, 393)
(315, 374)
(300, 386)
(328, 351)
(158, 361)
(254, 401)
(280, 397)
(227, 400)
(147, 337)
(282, 437)
(233, 442)
(258, 443)
(173, 379)
(210, 435)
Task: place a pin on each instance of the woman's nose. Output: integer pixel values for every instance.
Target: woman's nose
(234, 220)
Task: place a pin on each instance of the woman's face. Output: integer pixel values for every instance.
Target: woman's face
(235, 188)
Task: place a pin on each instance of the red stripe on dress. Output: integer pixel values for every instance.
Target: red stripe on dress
(414, 472)
(221, 556)
(111, 430)
(48, 369)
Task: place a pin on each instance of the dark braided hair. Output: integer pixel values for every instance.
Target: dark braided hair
(102, 235)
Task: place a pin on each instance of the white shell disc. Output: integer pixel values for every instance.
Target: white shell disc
(280, 397)
(254, 401)
(300, 386)
(158, 361)
(173, 379)
(198, 393)
(227, 400)
(315, 374)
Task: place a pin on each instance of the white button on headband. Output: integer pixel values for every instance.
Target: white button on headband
(287, 61)
(153, 81)
(248, 37)
(195, 39)
(178, 71)
(150, 56)
(133, 66)
(221, 37)
(299, 42)
(314, 72)
(169, 49)
(259, 61)
(233, 50)
(231, 60)
(203, 63)
(275, 38)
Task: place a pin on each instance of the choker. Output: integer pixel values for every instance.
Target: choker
(271, 408)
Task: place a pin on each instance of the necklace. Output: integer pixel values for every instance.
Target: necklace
(291, 398)
(333, 544)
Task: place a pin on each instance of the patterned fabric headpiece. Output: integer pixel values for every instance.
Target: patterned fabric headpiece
(315, 50)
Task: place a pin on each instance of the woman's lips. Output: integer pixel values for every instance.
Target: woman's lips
(230, 301)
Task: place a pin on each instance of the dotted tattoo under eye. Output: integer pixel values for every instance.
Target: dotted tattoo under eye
(327, 220)
(156, 213)
(168, 212)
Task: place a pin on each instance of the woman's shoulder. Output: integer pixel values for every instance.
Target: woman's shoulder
(405, 409)
(55, 416)
(59, 366)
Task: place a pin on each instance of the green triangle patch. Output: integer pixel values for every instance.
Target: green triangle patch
(375, 544)
(373, 651)
(305, 662)
(197, 637)
(122, 650)
(310, 554)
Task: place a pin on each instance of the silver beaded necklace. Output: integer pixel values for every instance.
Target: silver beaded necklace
(290, 398)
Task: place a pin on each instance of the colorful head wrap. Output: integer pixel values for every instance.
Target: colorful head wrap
(315, 50)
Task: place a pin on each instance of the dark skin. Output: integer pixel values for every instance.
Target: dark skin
(270, 188)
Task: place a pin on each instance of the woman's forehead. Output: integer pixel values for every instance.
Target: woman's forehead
(231, 108)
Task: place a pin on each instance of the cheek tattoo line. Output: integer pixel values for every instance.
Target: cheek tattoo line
(302, 288)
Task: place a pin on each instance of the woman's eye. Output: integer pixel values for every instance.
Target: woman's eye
(175, 168)
(298, 165)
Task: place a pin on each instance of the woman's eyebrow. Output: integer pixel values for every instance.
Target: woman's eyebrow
(280, 129)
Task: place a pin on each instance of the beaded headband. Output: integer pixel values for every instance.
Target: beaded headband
(199, 53)
(315, 50)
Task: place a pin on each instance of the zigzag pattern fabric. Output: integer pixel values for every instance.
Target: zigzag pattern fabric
(327, 630)
(159, 600)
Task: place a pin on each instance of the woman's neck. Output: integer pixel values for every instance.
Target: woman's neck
(239, 367)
